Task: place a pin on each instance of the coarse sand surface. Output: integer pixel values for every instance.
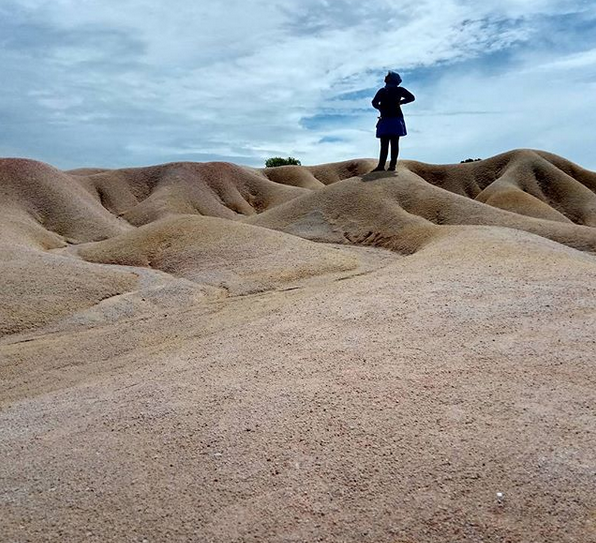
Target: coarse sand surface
(206, 352)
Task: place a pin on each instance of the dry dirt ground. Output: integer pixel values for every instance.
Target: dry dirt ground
(210, 353)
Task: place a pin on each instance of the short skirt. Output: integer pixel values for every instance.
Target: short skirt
(391, 127)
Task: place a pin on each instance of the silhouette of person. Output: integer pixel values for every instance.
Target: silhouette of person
(391, 125)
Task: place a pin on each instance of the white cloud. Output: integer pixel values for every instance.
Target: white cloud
(236, 79)
(548, 106)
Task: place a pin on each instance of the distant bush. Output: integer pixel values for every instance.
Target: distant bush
(279, 161)
(470, 160)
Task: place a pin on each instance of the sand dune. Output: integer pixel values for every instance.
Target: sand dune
(212, 251)
(40, 288)
(222, 353)
(40, 203)
(143, 195)
(522, 181)
(401, 211)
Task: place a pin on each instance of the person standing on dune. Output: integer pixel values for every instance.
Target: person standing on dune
(391, 125)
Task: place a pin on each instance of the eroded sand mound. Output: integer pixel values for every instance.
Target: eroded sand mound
(213, 251)
(531, 183)
(143, 195)
(43, 207)
(211, 352)
(38, 288)
(401, 211)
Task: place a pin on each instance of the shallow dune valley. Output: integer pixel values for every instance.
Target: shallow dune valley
(216, 353)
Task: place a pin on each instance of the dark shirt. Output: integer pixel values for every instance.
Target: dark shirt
(388, 100)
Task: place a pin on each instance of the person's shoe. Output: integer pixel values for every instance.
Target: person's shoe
(378, 169)
(391, 168)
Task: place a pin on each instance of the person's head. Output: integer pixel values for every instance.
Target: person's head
(393, 78)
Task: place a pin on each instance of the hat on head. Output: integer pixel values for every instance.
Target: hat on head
(393, 77)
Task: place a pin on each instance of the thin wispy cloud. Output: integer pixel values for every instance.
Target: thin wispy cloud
(135, 82)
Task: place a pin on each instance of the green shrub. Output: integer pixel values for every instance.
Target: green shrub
(279, 161)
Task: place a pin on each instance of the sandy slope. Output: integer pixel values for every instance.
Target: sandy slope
(206, 352)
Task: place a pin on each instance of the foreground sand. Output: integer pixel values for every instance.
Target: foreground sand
(204, 352)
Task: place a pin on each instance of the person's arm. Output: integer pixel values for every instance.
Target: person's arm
(406, 96)
(376, 101)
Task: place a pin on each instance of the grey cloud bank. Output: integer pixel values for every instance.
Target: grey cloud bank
(133, 83)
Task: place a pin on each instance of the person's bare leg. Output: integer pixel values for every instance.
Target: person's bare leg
(383, 156)
(394, 153)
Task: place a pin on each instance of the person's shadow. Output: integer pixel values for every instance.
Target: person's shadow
(373, 176)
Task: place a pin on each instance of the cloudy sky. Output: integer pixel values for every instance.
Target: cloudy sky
(136, 82)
